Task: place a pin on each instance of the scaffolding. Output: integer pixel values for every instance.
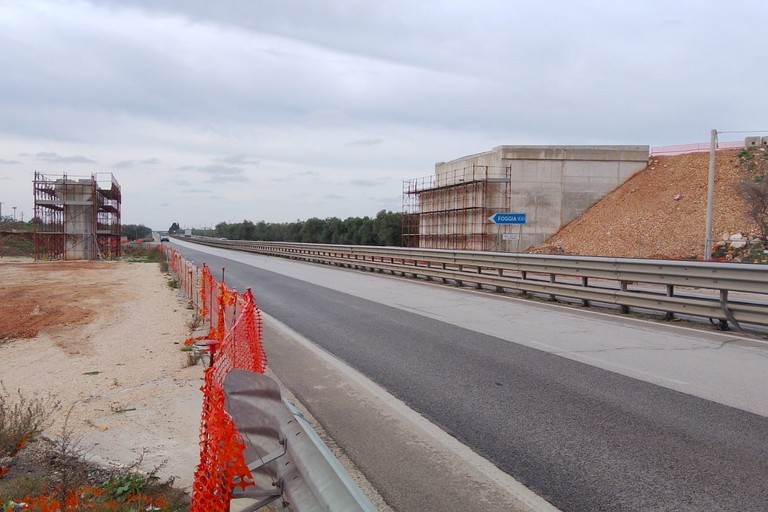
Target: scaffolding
(77, 217)
(450, 209)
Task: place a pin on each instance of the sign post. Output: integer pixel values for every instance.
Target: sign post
(507, 219)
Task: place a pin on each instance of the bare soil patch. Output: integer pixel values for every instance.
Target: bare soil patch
(660, 212)
(69, 295)
(104, 338)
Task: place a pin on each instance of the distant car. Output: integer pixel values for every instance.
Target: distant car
(223, 238)
(164, 238)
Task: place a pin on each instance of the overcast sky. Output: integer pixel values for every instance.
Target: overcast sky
(277, 110)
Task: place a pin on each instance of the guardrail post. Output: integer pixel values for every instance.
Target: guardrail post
(624, 309)
(585, 284)
(670, 293)
(552, 279)
(523, 276)
(728, 313)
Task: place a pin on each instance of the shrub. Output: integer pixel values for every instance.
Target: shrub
(143, 253)
(22, 418)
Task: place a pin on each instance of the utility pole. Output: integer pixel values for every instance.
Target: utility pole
(710, 195)
(14, 214)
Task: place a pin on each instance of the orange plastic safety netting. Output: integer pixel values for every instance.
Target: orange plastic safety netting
(235, 342)
(241, 349)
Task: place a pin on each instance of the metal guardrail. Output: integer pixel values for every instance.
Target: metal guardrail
(287, 459)
(732, 293)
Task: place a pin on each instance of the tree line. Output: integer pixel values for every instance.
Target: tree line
(384, 230)
(135, 231)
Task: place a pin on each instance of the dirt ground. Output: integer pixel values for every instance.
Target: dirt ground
(104, 339)
(660, 212)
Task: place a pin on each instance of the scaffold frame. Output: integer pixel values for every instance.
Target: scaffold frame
(77, 217)
(450, 210)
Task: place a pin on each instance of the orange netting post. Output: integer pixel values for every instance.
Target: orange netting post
(207, 285)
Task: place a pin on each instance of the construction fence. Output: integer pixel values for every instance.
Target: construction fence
(234, 342)
(699, 147)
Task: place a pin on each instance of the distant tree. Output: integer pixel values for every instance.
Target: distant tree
(333, 232)
(135, 231)
(292, 231)
(174, 228)
(311, 231)
(753, 163)
(366, 234)
(244, 230)
(388, 227)
(222, 230)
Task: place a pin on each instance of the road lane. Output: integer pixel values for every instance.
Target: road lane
(414, 463)
(583, 437)
(723, 367)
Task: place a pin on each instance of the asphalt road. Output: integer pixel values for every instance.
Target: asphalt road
(582, 437)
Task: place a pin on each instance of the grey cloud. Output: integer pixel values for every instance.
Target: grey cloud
(227, 179)
(218, 173)
(300, 176)
(355, 27)
(55, 158)
(220, 170)
(365, 183)
(333, 197)
(8, 162)
(396, 202)
(125, 164)
(236, 160)
(223, 174)
(364, 142)
(373, 75)
(196, 190)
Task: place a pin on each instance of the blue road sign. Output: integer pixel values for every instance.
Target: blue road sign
(507, 218)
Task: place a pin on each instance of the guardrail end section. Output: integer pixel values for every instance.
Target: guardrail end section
(283, 451)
